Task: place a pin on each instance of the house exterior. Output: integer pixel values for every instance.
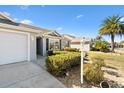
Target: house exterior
(21, 42)
(17, 43)
(75, 42)
(121, 44)
(52, 40)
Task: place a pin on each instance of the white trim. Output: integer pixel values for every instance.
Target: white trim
(29, 49)
(82, 61)
(19, 28)
(13, 31)
(54, 32)
(53, 37)
(28, 34)
(7, 17)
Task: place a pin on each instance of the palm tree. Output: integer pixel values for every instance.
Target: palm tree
(112, 26)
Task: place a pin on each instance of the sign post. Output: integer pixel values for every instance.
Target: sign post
(82, 59)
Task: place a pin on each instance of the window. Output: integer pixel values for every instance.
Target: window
(65, 44)
(47, 44)
(54, 44)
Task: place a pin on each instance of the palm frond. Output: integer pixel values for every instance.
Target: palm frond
(112, 25)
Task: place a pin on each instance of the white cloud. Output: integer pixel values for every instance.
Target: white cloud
(122, 19)
(6, 13)
(24, 7)
(59, 28)
(26, 21)
(79, 16)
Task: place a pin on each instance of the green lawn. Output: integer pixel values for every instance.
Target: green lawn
(112, 60)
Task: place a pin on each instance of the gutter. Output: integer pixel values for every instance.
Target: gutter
(23, 29)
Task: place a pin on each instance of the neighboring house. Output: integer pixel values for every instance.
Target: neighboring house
(69, 37)
(22, 42)
(65, 42)
(121, 44)
(76, 42)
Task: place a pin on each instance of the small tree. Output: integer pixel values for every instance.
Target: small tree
(102, 46)
(112, 26)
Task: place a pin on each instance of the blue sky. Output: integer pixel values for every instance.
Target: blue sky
(75, 20)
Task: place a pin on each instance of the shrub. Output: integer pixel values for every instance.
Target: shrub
(59, 64)
(60, 52)
(105, 49)
(71, 49)
(102, 46)
(50, 53)
(93, 74)
(94, 49)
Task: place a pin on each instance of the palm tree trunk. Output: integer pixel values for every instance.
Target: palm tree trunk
(112, 43)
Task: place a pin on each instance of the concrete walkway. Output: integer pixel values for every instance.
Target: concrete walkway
(27, 75)
(41, 61)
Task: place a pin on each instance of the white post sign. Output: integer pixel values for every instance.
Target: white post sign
(82, 59)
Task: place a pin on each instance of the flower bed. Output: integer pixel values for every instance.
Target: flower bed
(63, 62)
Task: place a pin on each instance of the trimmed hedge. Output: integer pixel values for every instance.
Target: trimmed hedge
(59, 64)
(51, 52)
(59, 52)
(71, 49)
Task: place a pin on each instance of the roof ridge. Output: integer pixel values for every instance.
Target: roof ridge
(7, 17)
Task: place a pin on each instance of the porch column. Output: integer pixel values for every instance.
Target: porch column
(31, 47)
(44, 47)
(47, 44)
(60, 41)
(68, 43)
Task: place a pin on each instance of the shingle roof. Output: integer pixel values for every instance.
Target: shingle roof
(10, 23)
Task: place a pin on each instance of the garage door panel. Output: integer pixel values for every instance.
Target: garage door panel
(13, 47)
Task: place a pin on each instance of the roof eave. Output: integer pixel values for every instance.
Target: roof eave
(23, 29)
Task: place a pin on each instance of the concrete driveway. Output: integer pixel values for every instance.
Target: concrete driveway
(27, 75)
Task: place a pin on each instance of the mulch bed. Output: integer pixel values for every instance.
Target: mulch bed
(73, 80)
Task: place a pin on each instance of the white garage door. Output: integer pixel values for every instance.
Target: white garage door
(13, 47)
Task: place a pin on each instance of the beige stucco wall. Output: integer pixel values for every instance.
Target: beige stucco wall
(86, 47)
(32, 46)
